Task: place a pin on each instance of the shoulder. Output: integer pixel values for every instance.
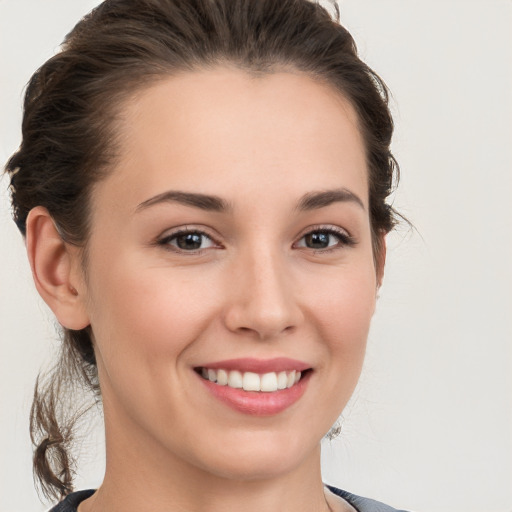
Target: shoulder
(362, 504)
(71, 501)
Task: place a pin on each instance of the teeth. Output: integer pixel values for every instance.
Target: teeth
(291, 379)
(282, 380)
(269, 382)
(250, 381)
(222, 377)
(235, 379)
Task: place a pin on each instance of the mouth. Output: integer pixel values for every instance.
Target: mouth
(269, 382)
(256, 387)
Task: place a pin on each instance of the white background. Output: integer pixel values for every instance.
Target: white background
(430, 426)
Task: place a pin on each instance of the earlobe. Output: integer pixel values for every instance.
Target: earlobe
(55, 270)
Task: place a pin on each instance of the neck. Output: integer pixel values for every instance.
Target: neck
(144, 478)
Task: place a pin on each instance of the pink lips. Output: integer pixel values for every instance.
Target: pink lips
(258, 403)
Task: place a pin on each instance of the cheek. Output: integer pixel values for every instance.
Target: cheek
(345, 309)
(150, 313)
(144, 324)
(345, 312)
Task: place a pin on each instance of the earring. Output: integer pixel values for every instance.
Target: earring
(335, 431)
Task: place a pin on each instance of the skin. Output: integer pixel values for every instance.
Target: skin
(255, 289)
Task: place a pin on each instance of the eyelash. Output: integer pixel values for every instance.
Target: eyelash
(344, 240)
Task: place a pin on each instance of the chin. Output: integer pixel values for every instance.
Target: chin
(260, 456)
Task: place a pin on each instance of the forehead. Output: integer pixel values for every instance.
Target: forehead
(213, 131)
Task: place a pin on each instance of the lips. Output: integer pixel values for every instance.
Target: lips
(255, 386)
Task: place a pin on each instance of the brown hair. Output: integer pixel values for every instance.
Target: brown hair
(69, 126)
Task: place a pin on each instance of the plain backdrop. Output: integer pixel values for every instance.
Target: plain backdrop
(430, 425)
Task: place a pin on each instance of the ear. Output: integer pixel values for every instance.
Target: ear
(380, 259)
(56, 270)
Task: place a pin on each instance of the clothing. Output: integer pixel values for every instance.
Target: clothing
(363, 504)
(72, 501)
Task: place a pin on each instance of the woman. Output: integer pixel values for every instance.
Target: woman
(202, 186)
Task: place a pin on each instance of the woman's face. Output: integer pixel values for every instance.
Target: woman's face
(232, 236)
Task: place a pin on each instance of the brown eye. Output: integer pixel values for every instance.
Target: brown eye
(318, 240)
(188, 241)
(326, 239)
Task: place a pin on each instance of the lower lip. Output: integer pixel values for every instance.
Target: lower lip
(258, 403)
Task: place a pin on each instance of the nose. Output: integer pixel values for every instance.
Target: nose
(263, 300)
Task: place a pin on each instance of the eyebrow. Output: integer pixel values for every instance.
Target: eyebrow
(196, 200)
(321, 199)
(309, 201)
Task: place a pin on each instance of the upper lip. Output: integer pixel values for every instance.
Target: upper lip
(249, 364)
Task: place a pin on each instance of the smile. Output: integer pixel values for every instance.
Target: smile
(249, 381)
(256, 387)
